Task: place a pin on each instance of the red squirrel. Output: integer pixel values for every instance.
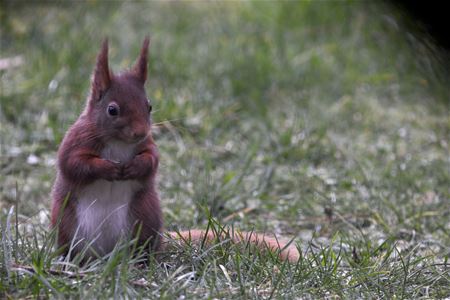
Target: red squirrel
(105, 187)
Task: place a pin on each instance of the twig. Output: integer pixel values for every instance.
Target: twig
(71, 275)
(233, 215)
(68, 274)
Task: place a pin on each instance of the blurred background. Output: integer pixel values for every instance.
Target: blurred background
(279, 116)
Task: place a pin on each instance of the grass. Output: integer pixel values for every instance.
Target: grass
(327, 122)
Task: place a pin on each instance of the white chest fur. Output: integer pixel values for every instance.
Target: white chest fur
(102, 208)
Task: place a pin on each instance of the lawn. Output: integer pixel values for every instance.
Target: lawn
(327, 122)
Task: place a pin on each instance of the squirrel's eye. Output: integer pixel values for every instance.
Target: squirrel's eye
(150, 108)
(113, 109)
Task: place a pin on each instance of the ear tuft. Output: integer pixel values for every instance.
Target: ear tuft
(140, 67)
(101, 78)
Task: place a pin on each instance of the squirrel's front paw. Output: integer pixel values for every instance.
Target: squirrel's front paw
(134, 170)
(113, 172)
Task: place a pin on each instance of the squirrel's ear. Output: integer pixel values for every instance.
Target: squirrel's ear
(140, 67)
(101, 79)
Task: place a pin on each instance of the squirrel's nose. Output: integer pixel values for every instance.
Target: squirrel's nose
(137, 132)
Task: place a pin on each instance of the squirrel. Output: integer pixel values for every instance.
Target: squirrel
(105, 187)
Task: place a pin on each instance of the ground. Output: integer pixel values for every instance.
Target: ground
(323, 122)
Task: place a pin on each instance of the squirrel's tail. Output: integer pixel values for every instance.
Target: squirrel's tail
(284, 248)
